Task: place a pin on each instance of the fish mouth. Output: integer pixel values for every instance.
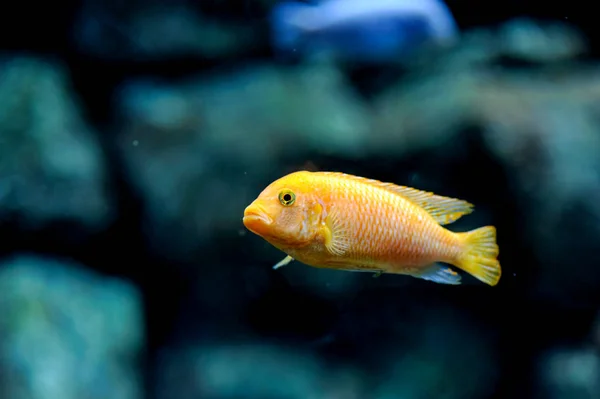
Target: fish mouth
(256, 219)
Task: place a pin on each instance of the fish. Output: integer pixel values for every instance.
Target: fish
(369, 31)
(334, 220)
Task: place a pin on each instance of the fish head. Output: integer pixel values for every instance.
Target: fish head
(287, 213)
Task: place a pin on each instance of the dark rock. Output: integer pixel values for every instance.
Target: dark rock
(253, 371)
(51, 163)
(67, 333)
(158, 30)
(570, 373)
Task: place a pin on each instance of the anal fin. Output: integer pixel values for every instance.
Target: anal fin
(440, 274)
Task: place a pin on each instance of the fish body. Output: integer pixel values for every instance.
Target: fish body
(373, 30)
(339, 221)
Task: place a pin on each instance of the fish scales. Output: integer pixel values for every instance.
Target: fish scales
(386, 227)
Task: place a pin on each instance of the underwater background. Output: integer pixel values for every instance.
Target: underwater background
(134, 133)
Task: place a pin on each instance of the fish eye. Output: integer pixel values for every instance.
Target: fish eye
(287, 198)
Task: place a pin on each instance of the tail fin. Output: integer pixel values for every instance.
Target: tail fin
(479, 255)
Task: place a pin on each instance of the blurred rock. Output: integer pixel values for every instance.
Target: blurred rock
(421, 355)
(67, 333)
(531, 40)
(51, 165)
(570, 373)
(525, 40)
(544, 130)
(255, 371)
(201, 151)
(440, 99)
(528, 40)
(158, 30)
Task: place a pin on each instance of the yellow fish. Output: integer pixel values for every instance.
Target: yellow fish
(339, 221)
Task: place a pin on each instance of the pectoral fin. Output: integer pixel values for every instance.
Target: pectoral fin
(335, 234)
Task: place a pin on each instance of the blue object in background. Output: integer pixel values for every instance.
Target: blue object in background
(365, 30)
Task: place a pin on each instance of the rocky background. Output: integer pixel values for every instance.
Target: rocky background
(133, 134)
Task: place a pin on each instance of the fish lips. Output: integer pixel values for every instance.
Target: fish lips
(257, 220)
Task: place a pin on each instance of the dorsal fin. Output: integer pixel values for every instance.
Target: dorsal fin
(444, 210)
